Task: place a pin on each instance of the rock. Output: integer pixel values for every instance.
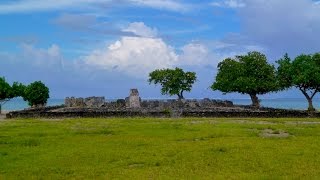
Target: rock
(120, 103)
(94, 102)
(133, 101)
(74, 102)
(79, 102)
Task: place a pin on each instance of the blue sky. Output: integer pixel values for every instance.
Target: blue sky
(105, 47)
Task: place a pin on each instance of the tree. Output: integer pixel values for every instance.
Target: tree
(36, 94)
(303, 73)
(248, 74)
(5, 92)
(18, 89)
(8, 92)
(173, 81)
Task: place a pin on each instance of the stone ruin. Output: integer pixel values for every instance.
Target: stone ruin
(133, 106)
(90, 102)
(134, 102)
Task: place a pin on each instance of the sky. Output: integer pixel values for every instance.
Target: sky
(87, 48)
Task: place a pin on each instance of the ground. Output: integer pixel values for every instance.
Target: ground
(148, 148)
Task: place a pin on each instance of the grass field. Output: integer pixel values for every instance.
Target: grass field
(148, 148)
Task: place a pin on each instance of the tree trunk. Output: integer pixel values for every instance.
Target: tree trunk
(309, 99)
(0, 109)
(310, 105)
(180, 95)
(255, 100)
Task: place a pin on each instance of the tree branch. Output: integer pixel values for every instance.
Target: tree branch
(303, 90)
(314, 93)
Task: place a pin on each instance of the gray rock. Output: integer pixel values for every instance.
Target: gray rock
(94, 102)
(133, 101)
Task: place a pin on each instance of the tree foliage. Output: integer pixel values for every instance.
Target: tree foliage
(18, 89)
(173, 81)
(36, 94)
(5, 90)
(8, 92)
(247, 74)
(303, 73)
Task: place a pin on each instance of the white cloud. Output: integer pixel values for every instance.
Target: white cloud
(49, 5)
(229, 4)
(50, 57)
(140, 29)
(135, 56)
(194, 54)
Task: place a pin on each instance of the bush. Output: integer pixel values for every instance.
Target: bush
(37, 94)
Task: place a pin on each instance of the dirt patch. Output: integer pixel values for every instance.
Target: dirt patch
(237, 121)
(57, 119)
(251, 122)
(197, 122)
(302, 123)
(270, 133)
(137, 165)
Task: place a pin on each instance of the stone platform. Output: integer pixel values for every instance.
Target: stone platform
(134, 106)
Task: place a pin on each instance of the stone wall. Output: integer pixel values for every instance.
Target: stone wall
(133, 106)
(90, 102)
(176, 113)
(135, 102)
(190, 103)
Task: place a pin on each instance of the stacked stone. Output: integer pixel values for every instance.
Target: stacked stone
(90, 102)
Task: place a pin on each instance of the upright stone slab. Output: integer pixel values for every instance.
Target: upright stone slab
(133, 101)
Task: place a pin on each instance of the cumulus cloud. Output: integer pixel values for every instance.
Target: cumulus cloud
(64, 77)
(137, 56)
(194, 54)
(134, 55)
(140, 29)
(50, 57)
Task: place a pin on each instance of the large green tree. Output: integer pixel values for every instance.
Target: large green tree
(247, 74)
(36, 93)
(8, 92)
(303, 73)
(173, 81)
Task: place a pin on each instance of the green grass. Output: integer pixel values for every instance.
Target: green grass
(145, 148)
